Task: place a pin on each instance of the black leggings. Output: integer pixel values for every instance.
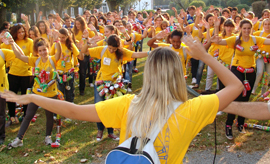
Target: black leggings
(241, 76)
(17, 83)
(2, 118)
(31, 111)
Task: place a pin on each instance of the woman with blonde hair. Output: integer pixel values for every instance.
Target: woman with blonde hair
(163, 84)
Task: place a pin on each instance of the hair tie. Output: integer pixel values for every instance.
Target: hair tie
(40, 40)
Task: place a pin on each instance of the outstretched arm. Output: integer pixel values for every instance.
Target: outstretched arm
(64, 108)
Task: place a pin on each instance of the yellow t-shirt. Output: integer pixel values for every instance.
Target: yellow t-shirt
(66, 54)
(179, 52)
(244, 58)
(101, 29)
(256, 26)
(265, 48)
(18, 67)
(192, 116)
(9, 55)
(225, 53)
(52, 90)
(109, 63)
(195, 31)
(45, 36)
(79, 35)
(137, 36)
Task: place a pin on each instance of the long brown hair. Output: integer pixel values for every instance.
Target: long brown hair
(69, 41)
(244, 21)
(83, 25)
(46, 26)
(115, 41)
(228, 22)
(96, 21)
(113, 28)
(14, 31)
(35, 30)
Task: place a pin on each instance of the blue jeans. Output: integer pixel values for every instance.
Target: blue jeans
(98, 99)
(69, 94)
(128, 73)
(261, 67)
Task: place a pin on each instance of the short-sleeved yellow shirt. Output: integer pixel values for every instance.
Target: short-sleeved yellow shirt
(52, 90)
(18, 67)
(66, 55)
(80, 33)
(109, 63)
(190, 117)
(9, 55)
(246, 58)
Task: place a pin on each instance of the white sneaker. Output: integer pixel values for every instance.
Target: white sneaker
(219, 113)
(16, 143)
(129, 90)
(193, 80)
(91, 85)
(48, 140)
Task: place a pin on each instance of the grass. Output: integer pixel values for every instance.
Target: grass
(78, 138)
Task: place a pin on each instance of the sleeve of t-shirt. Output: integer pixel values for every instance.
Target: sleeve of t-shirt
(96, 52)
(204, 109)
(32, 61)
(9, 54)
(52, 49)
(138, 37)
(100, 43)
(76, 52)
(257, 33)
(163, 44)
(3, 45)
(231, 41)
(260, 40)
(127, 54)
(111, 112)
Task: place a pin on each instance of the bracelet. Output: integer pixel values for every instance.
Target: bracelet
(128, 40)
(56, 41)
(148, 53)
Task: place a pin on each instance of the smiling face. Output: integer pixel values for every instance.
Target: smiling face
(42, 28)
(266, 25)
(176, 41)
(62, 38)
(108, 32)
(78, 25)
(43, 51)
(266, 15)
(211, 21)
(20, 34)
(158, 21)
(246, 29)
(32, 35)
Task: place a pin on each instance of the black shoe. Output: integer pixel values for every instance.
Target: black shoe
(81, 93)
(206, 92)
(2, 141)
(228, 130)
(241, 129)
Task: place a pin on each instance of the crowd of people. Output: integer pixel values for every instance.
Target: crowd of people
(45, 59)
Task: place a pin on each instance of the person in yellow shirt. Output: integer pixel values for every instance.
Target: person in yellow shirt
(94, 21)
(176, 45)
(45, 83)
(261, 66)
(20, 73)
(157, 26)
(44, 30)
(243, 60)
(67, 64)
(163, 84)
(33, 33)
(80, 27)
(258, 26)
(111, 63)
(5, 56)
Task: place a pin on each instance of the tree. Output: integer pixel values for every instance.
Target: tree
(233, 3)
(182, 3)
(114, 4)
(197, 4)
(241, 6)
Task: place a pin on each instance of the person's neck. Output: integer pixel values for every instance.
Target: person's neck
(267, 31)
(191, 15)
(245, 38)
(228, 34)
(44, 59)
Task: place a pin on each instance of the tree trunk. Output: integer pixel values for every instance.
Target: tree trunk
(3, 12)
(19, 19)
(33, 17)
(68, 11)
(112, 5)
(37, 12)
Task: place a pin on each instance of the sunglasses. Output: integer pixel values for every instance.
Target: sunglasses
(16, 24)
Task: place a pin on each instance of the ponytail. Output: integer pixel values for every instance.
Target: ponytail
(115, 41)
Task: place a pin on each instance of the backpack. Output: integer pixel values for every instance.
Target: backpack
(126, 152)
(2, 55)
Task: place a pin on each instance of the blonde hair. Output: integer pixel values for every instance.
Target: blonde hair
(163, 83)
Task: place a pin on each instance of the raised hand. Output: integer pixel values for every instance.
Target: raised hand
(195, 48)
(92, 27)
(162, 34)
(206, 25)
(57, 25)
(180, 19)
(55, 34)
(122, 29)
(174, 9)
(254, 20)
(217, 21)
(216, 39)
(24, 17)
(85, 33)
